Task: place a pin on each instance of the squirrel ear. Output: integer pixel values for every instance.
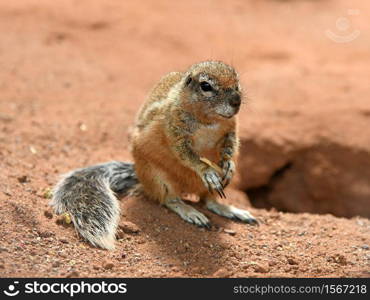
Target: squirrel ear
(188, 80)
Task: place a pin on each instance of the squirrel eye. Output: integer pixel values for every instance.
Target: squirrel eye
(205, 86)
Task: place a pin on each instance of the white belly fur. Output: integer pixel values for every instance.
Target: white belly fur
(206, 137)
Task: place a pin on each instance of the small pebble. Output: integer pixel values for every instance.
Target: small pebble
(48, 214)
(292, 261)
(109, 266)
(229, 231)
(260, 268)
(129, 227)
(73, 274)
(222, 273)
(23, 179)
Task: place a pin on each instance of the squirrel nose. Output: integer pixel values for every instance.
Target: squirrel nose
(235, 100)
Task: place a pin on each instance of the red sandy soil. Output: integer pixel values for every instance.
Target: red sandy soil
(74, 73)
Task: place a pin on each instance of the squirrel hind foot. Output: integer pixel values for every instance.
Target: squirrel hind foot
(187, 213)
(231, 212)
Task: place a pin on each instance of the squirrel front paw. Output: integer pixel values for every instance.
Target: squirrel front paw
(213, 181)
(228, 168)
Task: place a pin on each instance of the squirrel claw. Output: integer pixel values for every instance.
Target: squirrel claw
(232, 212)
(249, 221)
(213, 182)
(221, 193)
(229, 169)
(204, 225)
(254, 222)
(208, 226)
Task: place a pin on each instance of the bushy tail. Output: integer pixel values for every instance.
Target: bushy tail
(88, 195)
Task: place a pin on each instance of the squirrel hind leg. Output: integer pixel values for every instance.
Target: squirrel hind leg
(187, 212)
(152, 182)
(229, 211)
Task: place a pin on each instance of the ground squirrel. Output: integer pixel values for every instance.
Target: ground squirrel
(186, 126)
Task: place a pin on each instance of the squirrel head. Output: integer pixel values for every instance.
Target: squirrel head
(213, 90)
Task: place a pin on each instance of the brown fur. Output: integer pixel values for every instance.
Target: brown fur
(168, 121)
(188, 117)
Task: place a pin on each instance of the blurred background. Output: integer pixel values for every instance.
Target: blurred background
(73, 74)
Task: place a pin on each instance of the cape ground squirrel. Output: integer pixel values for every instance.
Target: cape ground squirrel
(186, 126)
